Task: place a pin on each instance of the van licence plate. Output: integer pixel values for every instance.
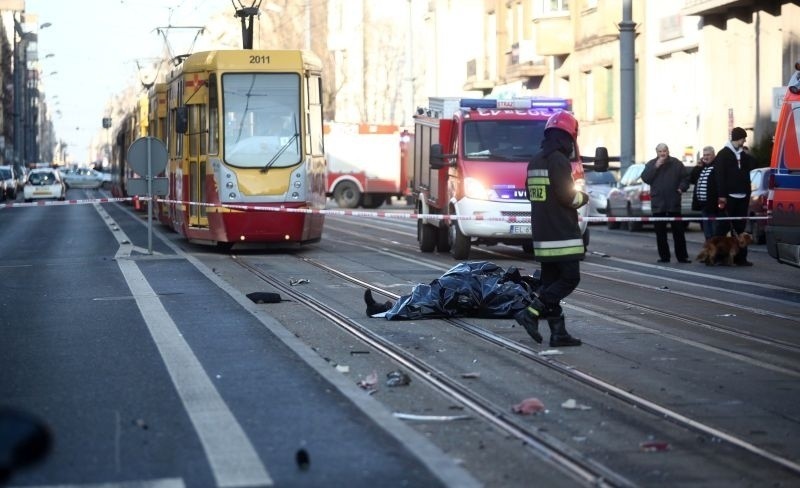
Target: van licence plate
(520, 229)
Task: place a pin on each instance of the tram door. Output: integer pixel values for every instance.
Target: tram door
(197, 152)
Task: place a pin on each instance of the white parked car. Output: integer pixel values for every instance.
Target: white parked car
(598, 185)
(44, 183)
(82, 178)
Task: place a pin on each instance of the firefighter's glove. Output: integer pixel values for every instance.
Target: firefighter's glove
(580, 199)
(529, 319)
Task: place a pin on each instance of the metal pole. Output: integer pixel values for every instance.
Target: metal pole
(627, 87)
(409, 119)
(18, 92)
(149, 196)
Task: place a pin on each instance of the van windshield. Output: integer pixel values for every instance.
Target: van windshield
(502, 140)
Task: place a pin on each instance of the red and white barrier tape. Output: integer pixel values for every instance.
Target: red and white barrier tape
(47, 203)
(365, 213)
(415, 216)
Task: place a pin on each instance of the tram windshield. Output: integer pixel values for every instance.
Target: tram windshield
(262, 119)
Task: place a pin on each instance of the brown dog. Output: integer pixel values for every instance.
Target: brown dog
(723, 249)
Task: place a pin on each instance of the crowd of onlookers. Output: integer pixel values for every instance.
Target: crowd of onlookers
(721, 192)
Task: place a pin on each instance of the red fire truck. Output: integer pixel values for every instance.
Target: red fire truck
(364, 166)
(783, 228)
(469, 161)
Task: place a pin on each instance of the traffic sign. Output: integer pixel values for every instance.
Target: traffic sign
(147, 153)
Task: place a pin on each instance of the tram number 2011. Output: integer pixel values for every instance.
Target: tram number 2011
(259, 59)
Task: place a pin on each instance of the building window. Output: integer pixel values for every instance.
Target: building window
(588, 85)
(551, 7)
(607, 111)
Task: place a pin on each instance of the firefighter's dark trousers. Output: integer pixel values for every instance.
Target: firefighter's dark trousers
(559, 279)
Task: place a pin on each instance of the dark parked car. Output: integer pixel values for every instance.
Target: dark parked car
(759, 181)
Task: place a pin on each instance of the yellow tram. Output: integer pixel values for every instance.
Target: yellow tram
(132, 126)
(243, 130)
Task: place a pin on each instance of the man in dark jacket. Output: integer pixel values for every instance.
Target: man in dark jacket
(704, 197)
(668, 180)
(557, 241)
(733, 167)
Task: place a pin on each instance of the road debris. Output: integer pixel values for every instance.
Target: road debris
(571, 404)
(397, 378)
(298, 281)
(369, 383)
(529, 406)
(551, 352)
(264, 297)
(654, 446)
(430, 418)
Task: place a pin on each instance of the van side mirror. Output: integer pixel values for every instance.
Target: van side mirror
(182, 119)
(438, 159)
(601, 159)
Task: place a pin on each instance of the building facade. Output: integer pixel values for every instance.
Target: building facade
(701, 66)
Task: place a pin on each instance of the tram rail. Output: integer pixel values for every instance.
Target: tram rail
(598, 384)
(573, 463)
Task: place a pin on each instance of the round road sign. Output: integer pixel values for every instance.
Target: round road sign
(146, 148)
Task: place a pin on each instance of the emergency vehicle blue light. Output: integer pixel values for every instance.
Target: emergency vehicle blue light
(514, 103)
(478, 103)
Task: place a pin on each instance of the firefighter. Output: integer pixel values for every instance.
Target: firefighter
(557, 241)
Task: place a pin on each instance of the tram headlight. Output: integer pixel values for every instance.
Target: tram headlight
(295, 195)
(229, 185)
(298, 184)
(232, 195)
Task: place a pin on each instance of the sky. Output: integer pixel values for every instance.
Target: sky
(89, 53)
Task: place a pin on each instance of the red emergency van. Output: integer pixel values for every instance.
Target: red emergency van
(783, 227)
(469, 166)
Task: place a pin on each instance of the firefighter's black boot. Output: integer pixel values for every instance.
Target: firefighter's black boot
(559, 337)
(529, 319)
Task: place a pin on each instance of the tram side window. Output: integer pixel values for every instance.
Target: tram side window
(315, 114)
(177, 138)
(194, 129)
(213, 116)
(203, 135)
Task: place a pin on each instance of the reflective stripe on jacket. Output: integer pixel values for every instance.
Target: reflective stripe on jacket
(554, 203)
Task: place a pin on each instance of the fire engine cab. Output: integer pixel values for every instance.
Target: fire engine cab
(469, 165)
(783, 228)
